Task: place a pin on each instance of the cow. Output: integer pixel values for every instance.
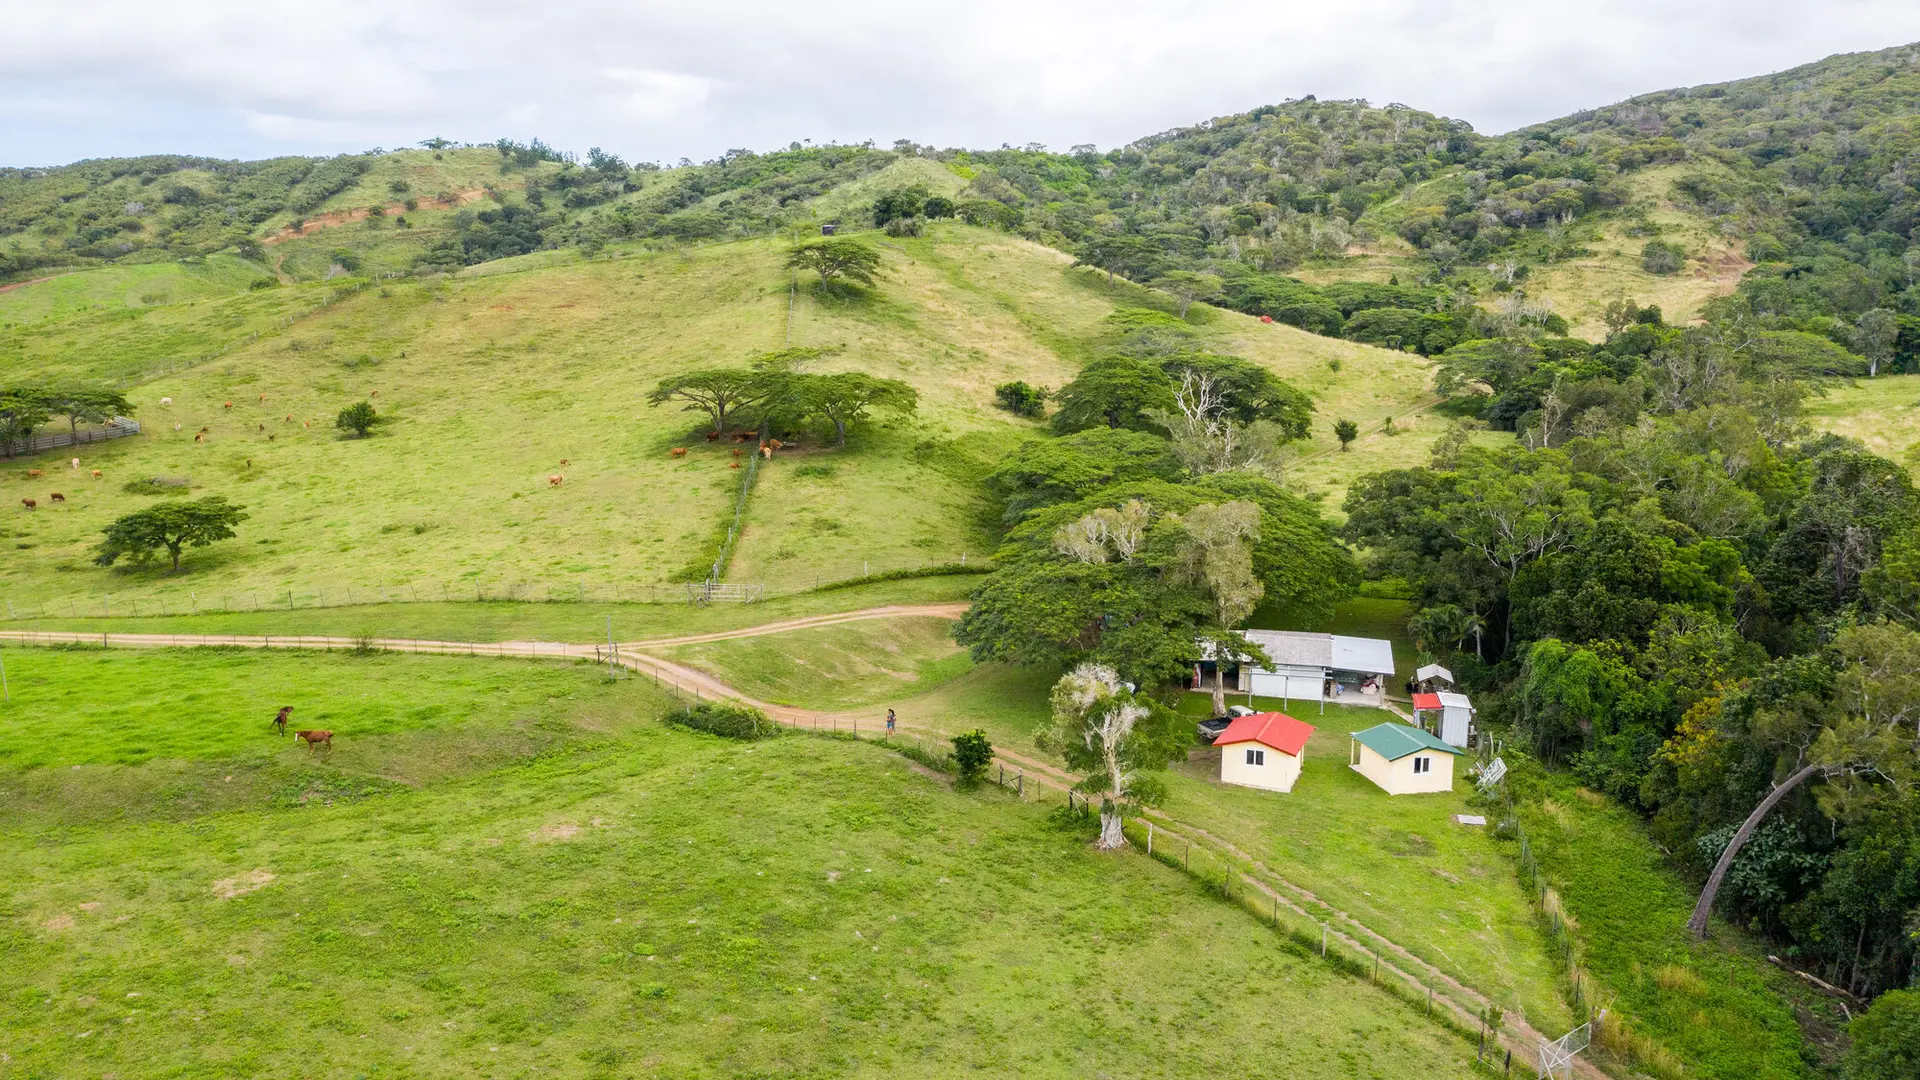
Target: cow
(678, 451)
(713, 436)
(373, 393)
(203, 431)
(564, 463)
(76, 463)
(775, 443)
(263, 427)
(733, 465)
(96, 474)
(228, 405)
(263, 397)
(199, 436)
(167, 401)
(737, 451)
(280, 721)
(28, 503)
(767, 452)
(315, 739)
(555, 479)
(56, 497)
(33, 474)
(289, 418)
(176, 425)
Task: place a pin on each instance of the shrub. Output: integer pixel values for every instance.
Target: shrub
(906, 226)
(357, 418)
(1021, 399)
(1662, 257)
(260, 283)
(1886, 1039)
(725, 720)
(972, 753)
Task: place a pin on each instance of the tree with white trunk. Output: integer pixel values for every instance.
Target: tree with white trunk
(1116, 737)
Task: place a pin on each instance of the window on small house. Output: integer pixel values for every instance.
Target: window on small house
(1422, 765)
(1256, 757)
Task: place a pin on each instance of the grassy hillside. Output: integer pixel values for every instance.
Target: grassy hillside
(1882, 412)
(493, 376)
(636, 902)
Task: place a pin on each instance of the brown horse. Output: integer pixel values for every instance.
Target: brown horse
(280, 721)
(315, 739)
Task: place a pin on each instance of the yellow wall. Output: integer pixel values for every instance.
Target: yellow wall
(1278, 774)
(1398, 777)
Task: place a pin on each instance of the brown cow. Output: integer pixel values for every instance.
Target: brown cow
(767, 452)
(229, 405)
(28, 503)
(678, 451)
(564, 463)
(57, 497)
(263, 397)
(737, 452)
(289, 418)
(733, 465)
(775, 443)
(96, 474)
(280, 720)
(33, 474)
(199, 436)
(554, 480)
(373, 393)
(263, 427)
(713, 436)
(315, 739)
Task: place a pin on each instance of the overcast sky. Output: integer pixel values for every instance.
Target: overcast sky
(662, 79)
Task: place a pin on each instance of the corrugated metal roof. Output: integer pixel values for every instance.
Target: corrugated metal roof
(1371, 655)
(1427, 701)
(1293, 647)
(1278, 730)
(1300, 648)
(1455, 701)
(1395, 741)
(1433, 671)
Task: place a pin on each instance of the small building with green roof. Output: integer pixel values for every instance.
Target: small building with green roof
(1403, 760)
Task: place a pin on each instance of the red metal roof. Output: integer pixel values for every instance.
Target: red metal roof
(1426, 701)
(1278, 730)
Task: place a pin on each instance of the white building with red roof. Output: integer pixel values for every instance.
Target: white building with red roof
(1263, 750)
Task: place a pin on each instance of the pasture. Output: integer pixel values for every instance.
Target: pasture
(1399, 865)
(631, 900)
(1882, 412)
(490, 380)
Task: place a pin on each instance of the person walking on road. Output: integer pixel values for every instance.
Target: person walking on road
(890, 721)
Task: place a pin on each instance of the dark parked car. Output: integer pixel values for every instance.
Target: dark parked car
(1210, 730)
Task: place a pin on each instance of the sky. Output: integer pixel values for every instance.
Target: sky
(657, 80)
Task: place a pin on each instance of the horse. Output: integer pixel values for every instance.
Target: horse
(315, 739)
(280, 720)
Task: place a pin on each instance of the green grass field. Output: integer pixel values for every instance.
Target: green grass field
(628, 901)
(836, 667)
(1883, 413)
(1399, 865)
(1714, 1009)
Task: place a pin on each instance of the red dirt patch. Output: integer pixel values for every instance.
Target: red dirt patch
(348, 217)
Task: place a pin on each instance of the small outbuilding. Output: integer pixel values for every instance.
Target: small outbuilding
(1263, 750)
(1432, 677)
(1449, 714)
(1403, 760)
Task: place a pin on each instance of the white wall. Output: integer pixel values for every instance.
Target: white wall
(1454, 724)
(1278, 774)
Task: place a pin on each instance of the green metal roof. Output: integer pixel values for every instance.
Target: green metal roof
(1395, 741)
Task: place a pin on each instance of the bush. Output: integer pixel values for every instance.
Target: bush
(906, 226)
(260, 283)
(357, 418)
(725, 720)
(972, 753)
(1662, 257)
(1021, 399)
(1886, 1039)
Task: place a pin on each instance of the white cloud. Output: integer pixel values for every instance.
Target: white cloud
(672, 77)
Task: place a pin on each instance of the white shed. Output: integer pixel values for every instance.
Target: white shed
(1263, 750)
(1450, 714)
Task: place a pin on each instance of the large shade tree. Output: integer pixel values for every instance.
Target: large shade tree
(1115, 736)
